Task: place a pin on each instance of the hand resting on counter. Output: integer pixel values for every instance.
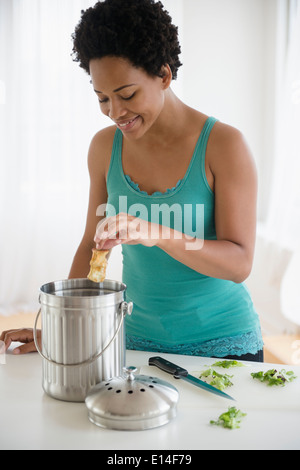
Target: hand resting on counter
(23, 335)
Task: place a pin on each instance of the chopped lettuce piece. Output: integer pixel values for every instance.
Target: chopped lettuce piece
(274, 377)
(220, 381)
(227, 364)
(231, 419)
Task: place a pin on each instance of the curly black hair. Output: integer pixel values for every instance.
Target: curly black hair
(138, 30)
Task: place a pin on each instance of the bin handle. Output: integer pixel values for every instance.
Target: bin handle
(125, 308)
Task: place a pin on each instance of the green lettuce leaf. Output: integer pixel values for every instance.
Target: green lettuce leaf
(227, 364)
(231, 419)
(274, 377)
(214, 378)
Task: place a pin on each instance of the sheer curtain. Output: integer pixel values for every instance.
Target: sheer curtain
(290, 288)
(48, 115)
(284, 215)
(282, 228)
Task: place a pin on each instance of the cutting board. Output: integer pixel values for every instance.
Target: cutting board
(249, 393)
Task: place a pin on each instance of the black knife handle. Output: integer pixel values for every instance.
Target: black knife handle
(167, 366)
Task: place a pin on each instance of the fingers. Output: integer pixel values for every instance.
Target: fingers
(126, 229)
(25, 348)
(108, 244)
(24, 335)
(112, 231)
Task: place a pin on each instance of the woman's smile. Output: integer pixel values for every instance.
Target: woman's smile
(126, 126)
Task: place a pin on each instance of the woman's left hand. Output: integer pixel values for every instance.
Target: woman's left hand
(125, 229)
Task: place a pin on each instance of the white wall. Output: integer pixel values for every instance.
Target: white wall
(228, 55)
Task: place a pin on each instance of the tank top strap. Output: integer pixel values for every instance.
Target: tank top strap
(208, 125)
(196, 169)
(201, 145)
(115, 165)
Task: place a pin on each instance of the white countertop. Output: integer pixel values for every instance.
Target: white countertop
(29, 419)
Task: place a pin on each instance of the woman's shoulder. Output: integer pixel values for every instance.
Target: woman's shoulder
(227, 146)
(222, 134)
(226, 134)
(103, 139)
(100, 149)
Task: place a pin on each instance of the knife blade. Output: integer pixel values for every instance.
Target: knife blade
(180, 373)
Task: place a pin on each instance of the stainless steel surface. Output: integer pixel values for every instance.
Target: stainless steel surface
(79, 319)
(132, 402)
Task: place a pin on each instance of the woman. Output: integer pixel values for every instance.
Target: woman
(180, 189)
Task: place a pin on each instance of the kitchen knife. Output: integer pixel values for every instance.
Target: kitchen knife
(180, 373)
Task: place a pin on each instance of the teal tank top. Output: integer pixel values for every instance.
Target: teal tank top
(177, 309)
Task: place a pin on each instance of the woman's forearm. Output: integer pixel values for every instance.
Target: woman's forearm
(221, 259)
(81, 262)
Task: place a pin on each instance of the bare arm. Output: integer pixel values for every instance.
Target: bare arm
(98, 164)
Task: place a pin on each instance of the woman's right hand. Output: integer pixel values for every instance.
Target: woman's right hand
(23, 335)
